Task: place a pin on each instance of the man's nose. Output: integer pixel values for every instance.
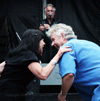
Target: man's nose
(44, 43)
(52, 44)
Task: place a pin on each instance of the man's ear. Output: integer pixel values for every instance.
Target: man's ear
(63, 35)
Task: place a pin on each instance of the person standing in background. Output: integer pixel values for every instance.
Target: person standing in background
(49, 51)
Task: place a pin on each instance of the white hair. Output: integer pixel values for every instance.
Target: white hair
(61, 28)
(54, 9)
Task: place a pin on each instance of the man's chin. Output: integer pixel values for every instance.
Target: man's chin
(41, 53)
(57, 48)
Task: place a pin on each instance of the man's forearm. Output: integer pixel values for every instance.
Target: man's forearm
(67, 82)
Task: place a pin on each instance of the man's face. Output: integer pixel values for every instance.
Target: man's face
(49, 10)
(56, 41)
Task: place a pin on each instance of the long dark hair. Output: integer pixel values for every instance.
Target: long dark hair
(30, 41)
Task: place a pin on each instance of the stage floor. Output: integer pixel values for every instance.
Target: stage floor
(52, 97)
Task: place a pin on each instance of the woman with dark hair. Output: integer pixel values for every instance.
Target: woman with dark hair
(22, 65)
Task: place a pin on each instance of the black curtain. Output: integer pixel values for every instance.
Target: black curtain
(22, 15)
(15, 17)
(3, 30)
(83, 16)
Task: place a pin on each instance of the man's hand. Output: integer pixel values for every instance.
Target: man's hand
(47, 26)
(41, 28)
(61, 98)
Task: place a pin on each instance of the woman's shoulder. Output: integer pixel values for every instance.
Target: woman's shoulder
(23, 57)
(27, 54)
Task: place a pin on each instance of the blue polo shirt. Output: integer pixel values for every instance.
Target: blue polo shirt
(84, 63)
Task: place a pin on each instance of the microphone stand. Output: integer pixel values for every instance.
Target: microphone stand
(50, 40)
(50, 20)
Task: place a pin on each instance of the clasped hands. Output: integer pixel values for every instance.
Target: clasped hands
(46, 26)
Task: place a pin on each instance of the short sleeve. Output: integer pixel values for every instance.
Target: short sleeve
(67, 64)
(29, 58)
(24, 58)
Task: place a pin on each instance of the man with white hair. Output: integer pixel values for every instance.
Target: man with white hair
(81, 67)
(49, 51)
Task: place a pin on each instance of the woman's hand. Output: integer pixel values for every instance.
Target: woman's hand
(63, 50)
(41, 28)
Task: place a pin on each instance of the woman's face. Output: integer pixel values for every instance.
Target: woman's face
(41, 46)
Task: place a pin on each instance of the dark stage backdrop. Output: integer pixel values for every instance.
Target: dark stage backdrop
(83, 16)
(15, 17)
(3, 30)
(19, 15)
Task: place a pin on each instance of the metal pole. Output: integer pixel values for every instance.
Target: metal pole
(44, 5)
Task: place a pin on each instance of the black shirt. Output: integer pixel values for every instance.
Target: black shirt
(16, 74)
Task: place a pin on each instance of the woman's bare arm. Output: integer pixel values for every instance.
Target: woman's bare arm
(44, 72)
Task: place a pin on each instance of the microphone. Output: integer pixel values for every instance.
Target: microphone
(50, 15)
